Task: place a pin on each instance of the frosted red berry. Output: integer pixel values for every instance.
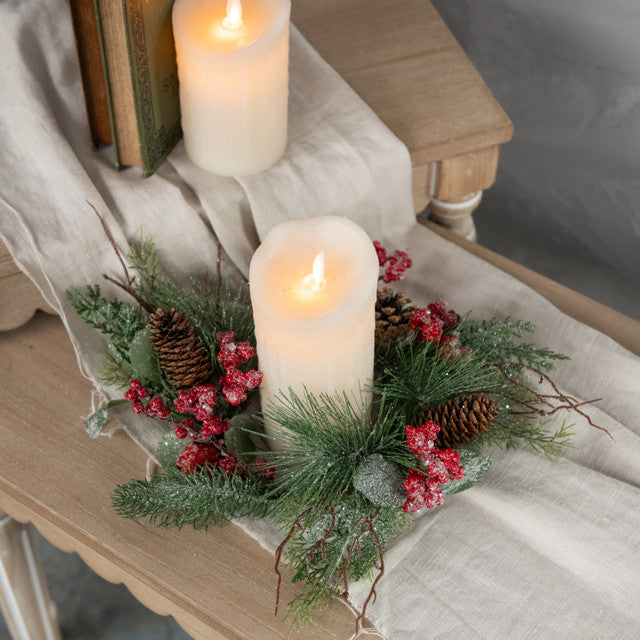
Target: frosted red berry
(394, 264)
(228, 465)
(440, 466)
(137, 406)
(180, 432)
(448, 316)
(196, 455)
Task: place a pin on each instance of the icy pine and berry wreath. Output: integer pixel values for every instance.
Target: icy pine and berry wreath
(343, 486)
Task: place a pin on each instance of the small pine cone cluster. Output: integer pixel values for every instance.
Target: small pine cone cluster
(393, 314)
(182, 356)
(462, 419)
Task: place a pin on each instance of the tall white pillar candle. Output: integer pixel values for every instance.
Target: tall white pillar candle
(314, 332)
(233, 62)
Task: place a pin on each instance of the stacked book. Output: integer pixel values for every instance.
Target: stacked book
(128, 67)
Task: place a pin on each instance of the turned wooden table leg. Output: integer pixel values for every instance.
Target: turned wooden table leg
(455, 188)
(456, 215)
(24, 599)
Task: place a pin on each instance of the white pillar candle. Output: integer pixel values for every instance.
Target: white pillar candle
(233, 62)
(314, 332)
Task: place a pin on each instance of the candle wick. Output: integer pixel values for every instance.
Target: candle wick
(233, 19)
(318, 272)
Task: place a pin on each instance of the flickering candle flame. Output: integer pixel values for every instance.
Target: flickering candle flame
(233, 19)
(318, 272)
(315, 281)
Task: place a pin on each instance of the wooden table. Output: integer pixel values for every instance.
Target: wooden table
(218, 583)
(403, 61)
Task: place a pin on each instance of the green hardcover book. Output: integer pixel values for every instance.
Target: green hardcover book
(139, 60)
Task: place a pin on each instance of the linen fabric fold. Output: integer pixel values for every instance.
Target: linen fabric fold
(538, 549)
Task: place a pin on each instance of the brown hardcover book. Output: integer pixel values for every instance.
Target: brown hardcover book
(137, 55)
(85, 31)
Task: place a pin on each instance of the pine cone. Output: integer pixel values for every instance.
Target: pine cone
(462, 419)
(180, 351)
(393, 313)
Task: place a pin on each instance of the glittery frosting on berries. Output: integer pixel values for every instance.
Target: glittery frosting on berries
(196, 455)
(440, 465)
(394, 265)
(235, 383)
(154, 406)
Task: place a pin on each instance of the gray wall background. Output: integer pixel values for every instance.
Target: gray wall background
(567, 199)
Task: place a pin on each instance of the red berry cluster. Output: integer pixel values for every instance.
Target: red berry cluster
(198, 454)
(236, 383)
(441, 465)
(433, 321)
(200, 401)
(154, 407)
(261, 465)
(394, 265)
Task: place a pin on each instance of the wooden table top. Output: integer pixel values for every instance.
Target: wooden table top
(403, 61)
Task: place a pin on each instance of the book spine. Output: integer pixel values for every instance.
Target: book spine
(154, 76)
(85, 30)
(109, 95)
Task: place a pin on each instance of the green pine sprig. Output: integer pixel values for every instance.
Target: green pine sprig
(324, 439)
(203, 497)
(419, 376)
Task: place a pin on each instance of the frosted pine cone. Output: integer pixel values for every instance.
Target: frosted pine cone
(182, 356)
(462, 419)
(393, 314)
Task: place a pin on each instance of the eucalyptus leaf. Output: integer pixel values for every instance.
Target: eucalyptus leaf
(380, 481)
(143, 358)
(168, 450)
(96, 422)
(239, 436)
(475, 467)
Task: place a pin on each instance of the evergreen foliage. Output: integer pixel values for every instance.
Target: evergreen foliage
(210, 305)
(200, 498)
(419, 376)
(338, 485)
(333, 547)
(512, 432)
(500, 341)
(324, 441)
(118, 320)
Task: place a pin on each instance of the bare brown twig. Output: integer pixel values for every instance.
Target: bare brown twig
(127, 285)
(551, 402)
(372, 592)
(296, 526)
